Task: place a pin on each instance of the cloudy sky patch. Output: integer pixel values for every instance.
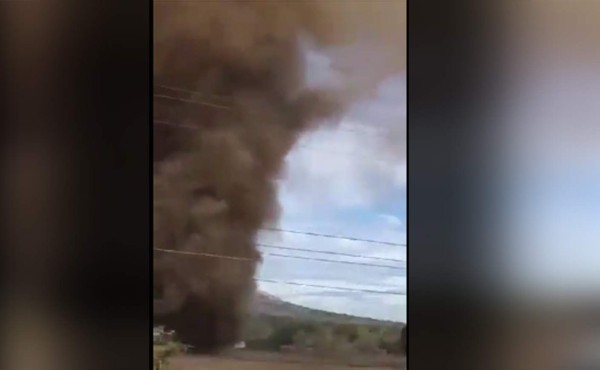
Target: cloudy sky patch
(347, 180)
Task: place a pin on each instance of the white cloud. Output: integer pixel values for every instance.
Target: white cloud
(392, 220)
(357, 168)
(358, 163)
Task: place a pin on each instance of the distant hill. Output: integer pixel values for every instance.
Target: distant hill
(268, 305)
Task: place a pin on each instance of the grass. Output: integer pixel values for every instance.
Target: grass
(215, 363)
(172, 356)
(164, 352)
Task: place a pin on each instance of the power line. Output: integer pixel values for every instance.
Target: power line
(191, 101)
(244, 259)
(210, 255)
(229, 98)
(167, 123)
(333, 236)
(330, 287)
(332, 261)
(300, 146)
(169, 97)
(225, 107)
(328, 252)
(180, 89)
(220, 256)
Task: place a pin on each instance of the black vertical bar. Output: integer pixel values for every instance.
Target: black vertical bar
(446, 72)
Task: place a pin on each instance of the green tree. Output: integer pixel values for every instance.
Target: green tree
(257, 330)
(282, 336)
(348, 331)
(303, 340)
(389, 339)
(343, 345)
(324, 340)
(367, 341)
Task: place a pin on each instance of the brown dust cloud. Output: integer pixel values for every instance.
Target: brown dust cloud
(230, 101)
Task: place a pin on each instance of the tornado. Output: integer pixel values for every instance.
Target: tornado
(230, 101)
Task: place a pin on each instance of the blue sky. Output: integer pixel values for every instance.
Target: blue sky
(349, 180)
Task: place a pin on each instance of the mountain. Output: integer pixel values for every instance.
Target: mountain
(268, 305)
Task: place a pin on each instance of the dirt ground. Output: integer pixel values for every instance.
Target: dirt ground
(214, 363)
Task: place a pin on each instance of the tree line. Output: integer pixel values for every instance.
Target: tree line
(272, 333)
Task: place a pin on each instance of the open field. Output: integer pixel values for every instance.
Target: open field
(269, 362)
(214, 363)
